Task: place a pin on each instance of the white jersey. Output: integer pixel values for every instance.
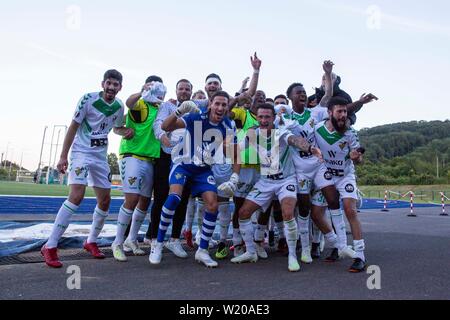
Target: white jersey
(336, 149)
(275, 154)
(319, 112)
(96, 118)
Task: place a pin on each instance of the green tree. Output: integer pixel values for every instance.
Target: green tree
(113, 163)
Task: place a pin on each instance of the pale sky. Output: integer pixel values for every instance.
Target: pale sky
(53, 52)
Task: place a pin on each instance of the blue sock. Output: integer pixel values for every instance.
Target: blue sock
(167, 213)
(208, 226)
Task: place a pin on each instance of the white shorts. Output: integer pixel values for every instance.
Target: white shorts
(346, 186)
(267, 190)
(222, 173)
(137, 176)
(247, 179)
(309, 170)
(88, 170)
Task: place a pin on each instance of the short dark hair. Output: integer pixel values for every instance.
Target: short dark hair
(269, 100)
(336, 101)
(113, 74)
(280, 96)
(267, 106)
(220, 94)
(183, 80)
(153, 78)
(213, 75)
(291, 87)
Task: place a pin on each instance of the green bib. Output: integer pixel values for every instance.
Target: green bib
(248, 155)
(144, 143)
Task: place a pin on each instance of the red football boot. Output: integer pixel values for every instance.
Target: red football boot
(51, 257)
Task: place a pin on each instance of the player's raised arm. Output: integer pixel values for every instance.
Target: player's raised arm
(256, 64)
(68, 140)
(174, 122)
(357, 105)
(328, 69)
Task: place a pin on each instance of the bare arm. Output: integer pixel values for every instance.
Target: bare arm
(126, 133)
(134, 98)
(357, 105)
(68, 140)
(328, 68)
(303, 145)
(172, 123)
(256, 64)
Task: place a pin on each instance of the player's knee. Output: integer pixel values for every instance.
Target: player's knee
(104, 202)
(244, 213)
(212, 207)
(131, 201)
(334, 204)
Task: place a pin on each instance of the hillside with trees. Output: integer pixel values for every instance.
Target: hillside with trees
(416, 152)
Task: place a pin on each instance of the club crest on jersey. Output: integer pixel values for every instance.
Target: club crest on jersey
(311, 123)
(349, 188)
(290, 187)
(342, 145)
(327, 175)
(211, 180)
(302, 183)
(178, 176)
(132, 180)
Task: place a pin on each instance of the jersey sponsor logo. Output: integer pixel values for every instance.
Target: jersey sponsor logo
(211, 180)
(342, 145)
(332, 154)
(349, 188)
(290, 187)
(335, 162)
(102, 126)
(132, 180)
(99, 142)
(328, 175)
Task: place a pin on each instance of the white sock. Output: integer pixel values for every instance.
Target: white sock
(246, 228)
(339, 225)
(61, 223)
(316, 233)
(359, 246)
(303, 226)
(260, 232)
(123, 220)
(138, 219)
(280, 228)
(290, 229)
(332, 238)
(98, 221)
(224, 220)
(237, 237)
(190, 213)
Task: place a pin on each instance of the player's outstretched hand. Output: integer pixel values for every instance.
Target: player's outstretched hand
(229, 187)
(355, 155)
(186, 107)
(366, 98)
(62, 165)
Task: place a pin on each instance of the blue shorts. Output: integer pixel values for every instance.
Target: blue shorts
(201, 179)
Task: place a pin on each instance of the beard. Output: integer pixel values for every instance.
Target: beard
(339, 128)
